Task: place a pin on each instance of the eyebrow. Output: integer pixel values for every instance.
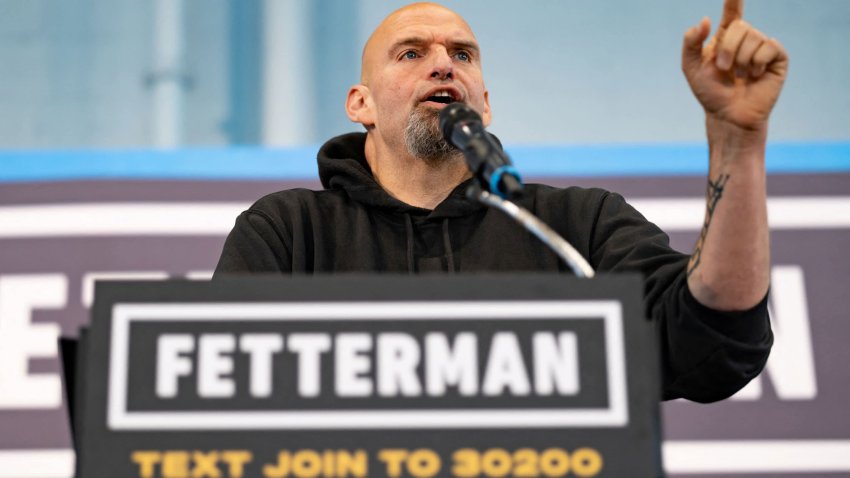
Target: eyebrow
(418, 41)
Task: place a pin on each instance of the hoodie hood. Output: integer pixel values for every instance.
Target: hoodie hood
(343, 166)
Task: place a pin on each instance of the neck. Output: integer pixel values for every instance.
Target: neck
(420, 183)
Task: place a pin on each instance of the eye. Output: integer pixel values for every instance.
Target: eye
(463, 56)
(410, 55)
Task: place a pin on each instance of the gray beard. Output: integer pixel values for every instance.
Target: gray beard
(424, 139)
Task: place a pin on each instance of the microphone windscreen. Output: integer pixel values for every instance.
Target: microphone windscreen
(453, 114)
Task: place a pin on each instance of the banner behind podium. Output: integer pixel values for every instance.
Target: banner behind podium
(369, 376)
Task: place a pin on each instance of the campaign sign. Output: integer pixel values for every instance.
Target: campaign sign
(356, 376)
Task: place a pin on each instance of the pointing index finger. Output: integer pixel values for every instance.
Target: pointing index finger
(732, 10)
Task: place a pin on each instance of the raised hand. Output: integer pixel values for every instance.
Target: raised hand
(738, 74)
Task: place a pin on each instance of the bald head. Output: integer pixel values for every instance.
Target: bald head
(382, 39)
(420, 58)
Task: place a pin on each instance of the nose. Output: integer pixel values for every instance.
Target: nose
(442, 69)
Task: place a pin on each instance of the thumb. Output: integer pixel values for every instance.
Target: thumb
(692, 44)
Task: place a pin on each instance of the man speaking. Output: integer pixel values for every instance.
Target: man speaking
(394, 198)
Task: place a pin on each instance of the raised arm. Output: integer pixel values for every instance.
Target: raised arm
(736, 76)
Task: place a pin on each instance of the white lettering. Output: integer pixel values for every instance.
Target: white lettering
(505, 367)
(213, 365)
(444, 367)
(21, 340)
(398, 356)
(171, 362)
(309, 348)
(791, 366)
(351, 363)
(556, 364)
(261, 347)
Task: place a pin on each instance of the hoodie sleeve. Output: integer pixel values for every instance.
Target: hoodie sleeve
(255, 245)
(706, 354)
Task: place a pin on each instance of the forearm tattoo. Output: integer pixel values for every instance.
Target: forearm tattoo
(713, 195)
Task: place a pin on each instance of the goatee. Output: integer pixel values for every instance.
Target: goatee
(424, 139)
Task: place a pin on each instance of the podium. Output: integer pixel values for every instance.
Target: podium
(355, 376)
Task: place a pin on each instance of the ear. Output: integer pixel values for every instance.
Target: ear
(358, 105)
(486, 115)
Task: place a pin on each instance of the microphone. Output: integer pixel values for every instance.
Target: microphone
(462, 127)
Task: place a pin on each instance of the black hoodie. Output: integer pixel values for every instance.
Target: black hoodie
(355, 226)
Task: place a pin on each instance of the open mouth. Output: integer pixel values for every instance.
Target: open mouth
(443, 97)
(440, 99)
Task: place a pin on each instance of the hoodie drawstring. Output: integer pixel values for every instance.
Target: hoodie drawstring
(409, 227)
(447, 244)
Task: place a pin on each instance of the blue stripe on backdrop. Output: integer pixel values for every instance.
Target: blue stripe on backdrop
(299, 163)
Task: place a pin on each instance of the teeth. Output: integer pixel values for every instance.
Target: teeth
(442, 96)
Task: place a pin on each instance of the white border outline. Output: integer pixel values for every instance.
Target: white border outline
(610, 311)
(215, 218)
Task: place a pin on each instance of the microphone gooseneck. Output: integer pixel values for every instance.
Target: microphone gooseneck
(462, 127)
(496, 180)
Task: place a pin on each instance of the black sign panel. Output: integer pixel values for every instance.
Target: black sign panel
(370, 376)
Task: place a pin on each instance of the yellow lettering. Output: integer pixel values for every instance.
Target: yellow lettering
(236, 460)
(328, 458)
(356, 465)
(423, 463)
(306, 464)
(496, 462)
(393, 457)
(175, 464)
(206, 465)
(146, 460)
(466, 463)
(282, 469)
(554, 462)
(586, 462)
(525, 463)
